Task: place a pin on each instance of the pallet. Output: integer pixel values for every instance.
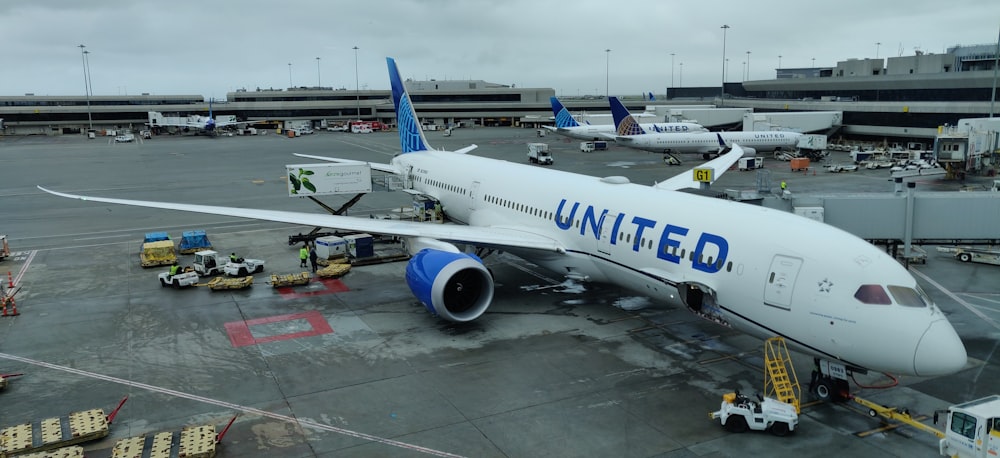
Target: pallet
(53, 433)
(334, 271)
(223, 283)
(73, 451)
(190, 442)
(279, 281)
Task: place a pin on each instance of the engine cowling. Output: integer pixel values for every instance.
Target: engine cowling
(454, 286)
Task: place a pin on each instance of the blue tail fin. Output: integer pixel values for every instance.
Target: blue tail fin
(652, 98)
(411, 136)
(722, 143)
(625, 124)
(563, 118)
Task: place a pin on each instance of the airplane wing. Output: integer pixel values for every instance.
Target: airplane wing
(686, 179)
(497, 237)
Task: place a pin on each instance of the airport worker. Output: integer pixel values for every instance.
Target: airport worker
(232, 257)
(313, 257)
(303, 255)
(173, 269)
(784, 186)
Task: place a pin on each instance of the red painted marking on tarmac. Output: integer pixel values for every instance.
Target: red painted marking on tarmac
(332, 285)
(241, 336)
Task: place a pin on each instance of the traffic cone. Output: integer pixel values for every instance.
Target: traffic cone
(10, 280)
(13, 310)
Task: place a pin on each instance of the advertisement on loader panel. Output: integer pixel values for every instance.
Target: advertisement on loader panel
(328, 179)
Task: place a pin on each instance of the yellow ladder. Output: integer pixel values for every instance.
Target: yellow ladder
(780, 381)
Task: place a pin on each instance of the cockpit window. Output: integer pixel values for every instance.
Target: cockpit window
(872, 294)
(908, 296)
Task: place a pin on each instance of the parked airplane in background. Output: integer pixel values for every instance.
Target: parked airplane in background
(207, 124)
(756, 270)
(633, 135)
(568, 126)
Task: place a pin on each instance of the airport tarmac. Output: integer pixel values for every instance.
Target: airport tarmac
(357, 367)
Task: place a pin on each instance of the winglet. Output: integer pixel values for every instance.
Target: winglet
(563, 118)
(411, 136)
(625, 124)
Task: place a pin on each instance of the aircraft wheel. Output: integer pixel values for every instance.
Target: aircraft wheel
(780, 429)
(965, 257)
(824, 390)
(736, 424)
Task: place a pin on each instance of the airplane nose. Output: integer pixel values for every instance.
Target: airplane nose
(939, 352)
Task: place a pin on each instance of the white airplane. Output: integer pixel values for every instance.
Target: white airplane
(633, 135)
(568, 126)
(207, 124)
(756, 270)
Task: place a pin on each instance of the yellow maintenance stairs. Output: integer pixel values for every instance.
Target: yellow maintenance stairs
(780, 381)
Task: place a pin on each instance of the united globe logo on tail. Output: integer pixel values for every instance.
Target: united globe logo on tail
(411, 137)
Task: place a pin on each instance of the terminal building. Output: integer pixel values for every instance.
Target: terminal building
(905, 98)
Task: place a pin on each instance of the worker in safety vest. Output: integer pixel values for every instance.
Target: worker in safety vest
(174, 269)
(232, 258)
(303, 256)
(784, 186)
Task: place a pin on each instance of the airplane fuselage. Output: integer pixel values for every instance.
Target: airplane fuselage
(709, 142)
(719, 258)
(607, 131)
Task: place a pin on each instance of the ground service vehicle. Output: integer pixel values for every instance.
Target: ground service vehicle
(983, 255)
(973, 429)
(739, 413)
(4, 249)
(538, 153)
(210, 262)
(179, 280)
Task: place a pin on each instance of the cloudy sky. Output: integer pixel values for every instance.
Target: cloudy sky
(210, 48)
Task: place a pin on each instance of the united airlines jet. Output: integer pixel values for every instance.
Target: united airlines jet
(760, 271)
(634, 135)
(568, 126)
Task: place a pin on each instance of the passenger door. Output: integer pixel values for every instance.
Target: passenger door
(780, 281)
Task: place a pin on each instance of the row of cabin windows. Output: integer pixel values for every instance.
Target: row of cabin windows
(536, 212)
(446, 186)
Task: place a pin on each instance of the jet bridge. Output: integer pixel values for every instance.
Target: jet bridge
(905, 217)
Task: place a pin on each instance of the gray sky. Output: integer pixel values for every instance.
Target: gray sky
(185, 47)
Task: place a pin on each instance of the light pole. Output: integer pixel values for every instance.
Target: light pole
(877, 44)
(607, 71)
(727, 70)
(743, 71)
(289, 75)
(779, 61)
(86, 85)
(722, 92)
(319, 82)
(680, 79)
(814, 62)
(671, 71)
(357, 96)
(748, 65)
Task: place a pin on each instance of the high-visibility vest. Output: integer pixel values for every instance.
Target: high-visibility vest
(303, 253)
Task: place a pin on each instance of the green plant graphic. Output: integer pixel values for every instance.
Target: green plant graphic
(301, 181)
